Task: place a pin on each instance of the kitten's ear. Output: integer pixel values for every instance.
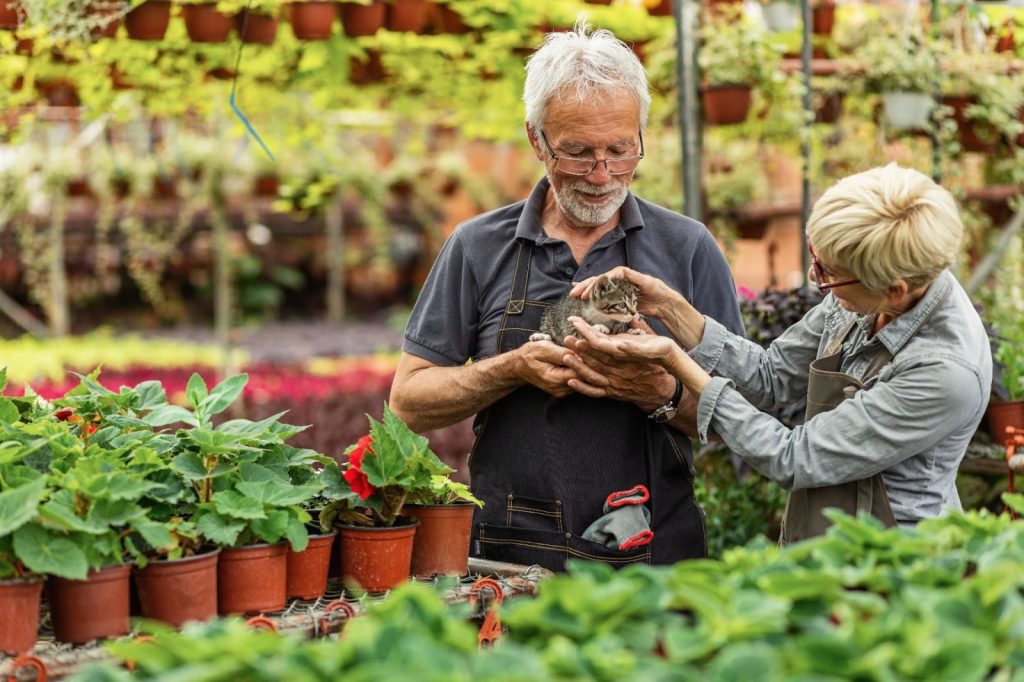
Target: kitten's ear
(602, 284)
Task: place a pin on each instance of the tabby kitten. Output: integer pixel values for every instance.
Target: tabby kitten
(612, 304)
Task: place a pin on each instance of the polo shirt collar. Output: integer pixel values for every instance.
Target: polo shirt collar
(529, 225)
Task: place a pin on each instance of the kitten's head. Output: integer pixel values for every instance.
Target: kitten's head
(614, 298)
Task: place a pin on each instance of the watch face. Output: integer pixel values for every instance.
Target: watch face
(664, 414)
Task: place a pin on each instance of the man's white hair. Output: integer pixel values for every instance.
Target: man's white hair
(582, 63)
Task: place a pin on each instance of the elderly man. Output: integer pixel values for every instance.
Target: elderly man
(547, 459)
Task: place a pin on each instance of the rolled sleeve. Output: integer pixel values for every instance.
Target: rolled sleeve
(707, 403)
(708, 352)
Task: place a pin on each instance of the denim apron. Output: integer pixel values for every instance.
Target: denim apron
(826, 388)
(544, 465)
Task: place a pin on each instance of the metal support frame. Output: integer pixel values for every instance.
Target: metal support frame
(687, 17)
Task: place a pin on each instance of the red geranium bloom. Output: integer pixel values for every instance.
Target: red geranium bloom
(357, 480)
(63, 414)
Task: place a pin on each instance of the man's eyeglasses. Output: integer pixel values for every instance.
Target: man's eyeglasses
(820, 276)
(616, 165)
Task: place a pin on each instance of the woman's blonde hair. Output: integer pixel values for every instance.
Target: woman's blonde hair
(887, 224)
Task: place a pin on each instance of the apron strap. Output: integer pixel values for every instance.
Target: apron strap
(630, 249)
(520, 280)
(837, 341)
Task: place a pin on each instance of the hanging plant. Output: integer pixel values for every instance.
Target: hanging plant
(73, 19)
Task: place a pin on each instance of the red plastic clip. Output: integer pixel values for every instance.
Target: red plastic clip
(26, 661)
(638, 540)
(323, 627)
(621, 497)
(261, 623)
(490, 629)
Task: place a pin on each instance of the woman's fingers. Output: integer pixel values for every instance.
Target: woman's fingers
(582, 289)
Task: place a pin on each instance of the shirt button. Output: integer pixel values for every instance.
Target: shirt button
(560, 249)
(568, 271)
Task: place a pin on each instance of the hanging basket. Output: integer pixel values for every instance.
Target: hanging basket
(726, 104)
(907, 110)
(823, 19)
(8, 15)
(830, 109)
(407, 15)
(967, 130)
(780, 15)
(205, 24)
(148, 21)
(105, 15)
(312, 20)
(362, 20)
(256, 28)
(660, 8)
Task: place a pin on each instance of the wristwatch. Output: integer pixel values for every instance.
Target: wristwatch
(667, 411)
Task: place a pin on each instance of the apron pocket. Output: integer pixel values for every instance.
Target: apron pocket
(550, 549)
(528, 513)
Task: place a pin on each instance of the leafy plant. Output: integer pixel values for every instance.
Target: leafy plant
(386, 468)
(734, 51)
(899, 63)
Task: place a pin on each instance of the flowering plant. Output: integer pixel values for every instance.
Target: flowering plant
(386, 468)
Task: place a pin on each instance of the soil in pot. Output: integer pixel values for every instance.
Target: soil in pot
(376, 559)
(19, 612)
(84, 610)
(252, 578)
(179, 590)
(441, 544)
(307, 570)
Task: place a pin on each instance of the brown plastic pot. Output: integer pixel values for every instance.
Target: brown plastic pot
(376, 559)
(361, 20)
(312, 20)
(261, 29)
(179, 590)
(19, 612)
(407, 15)
(307, 570)
(252, 578)
(726, 104)
(441, 545)
(205, 24)
(823, 18)
(1003, 414)
(966, 128)
(84, 610)
(8, 15)
(148, 21)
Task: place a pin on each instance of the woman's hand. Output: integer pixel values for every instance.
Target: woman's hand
(653, 298)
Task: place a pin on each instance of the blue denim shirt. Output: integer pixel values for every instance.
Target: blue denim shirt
(912, 422)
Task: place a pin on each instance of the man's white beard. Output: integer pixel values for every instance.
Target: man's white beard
(585, 214)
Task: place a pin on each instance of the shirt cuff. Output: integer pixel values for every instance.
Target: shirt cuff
(709, 351)
(707, 403)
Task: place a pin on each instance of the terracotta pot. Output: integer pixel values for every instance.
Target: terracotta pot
(205, 24)
(266, 185)
(312, 20)
(447, 20)
(8, 15)
(307, 570)
(407, 15)
(376, 559)
(823, 18)
(726, 104)
(252, 578)
(441, 545)
(149, 20)
(106, 11)
(662, 9)
(179, 590)
(84, 610)
(260, 29)
(19, 613)
(362, 20)
(966, 128)
(366, 72)
(830, 109)
(59, 93)
(1003, 414)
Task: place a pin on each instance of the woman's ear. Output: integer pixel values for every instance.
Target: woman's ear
(897, 292)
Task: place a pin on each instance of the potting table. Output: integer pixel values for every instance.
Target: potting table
(316, 618)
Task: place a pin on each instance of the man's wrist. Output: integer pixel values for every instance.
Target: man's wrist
(667, 411)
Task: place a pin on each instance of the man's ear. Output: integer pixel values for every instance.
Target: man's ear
(538, 151)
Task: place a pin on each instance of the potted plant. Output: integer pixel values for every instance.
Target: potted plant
(362, 17)
(205, 22)
(309, 568)
(385, 468)
(734, 58)
(445, 513)
(1006, 408)
(905, 71)
(148, 20)
(256, 21)
(982, 101)
(312, 19)
(823, 17)
(781, 15)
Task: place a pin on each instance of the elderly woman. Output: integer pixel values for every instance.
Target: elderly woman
(894, 362)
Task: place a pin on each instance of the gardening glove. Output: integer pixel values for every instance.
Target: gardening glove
(626, 522)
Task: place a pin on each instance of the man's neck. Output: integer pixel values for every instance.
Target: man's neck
(580, 238)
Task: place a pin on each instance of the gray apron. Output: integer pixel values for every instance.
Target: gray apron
(544, 466)
(826, 388)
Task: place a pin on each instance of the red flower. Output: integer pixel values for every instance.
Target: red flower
(63, 414)
(354, 475)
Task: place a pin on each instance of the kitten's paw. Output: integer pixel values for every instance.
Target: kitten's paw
(540, 336)
(601, 329)
(636, 331)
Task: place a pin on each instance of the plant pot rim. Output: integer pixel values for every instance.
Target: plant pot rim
(457, 503)
(320, 534)
(401, 522)
(257, 545)
(204, 554)
(29, 579)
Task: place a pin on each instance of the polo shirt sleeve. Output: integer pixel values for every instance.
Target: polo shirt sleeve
(714, 290)
(443, 325)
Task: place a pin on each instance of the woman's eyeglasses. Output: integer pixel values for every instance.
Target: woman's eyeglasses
(820, 277)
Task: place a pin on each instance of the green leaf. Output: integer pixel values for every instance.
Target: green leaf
(218, 529)
(59, 512)
(272, 528)
(44, 552)
(114, 512)
(3, 378)
(237, 505)
(297, 534)
(223, 394)
(169, 414)
(20, 505)
(8, 411)
(195, 391)
(155, 534)
(151, 394)
(190, 466)
(277, 493)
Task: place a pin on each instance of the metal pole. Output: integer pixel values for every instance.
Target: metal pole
(932, 133)
(805, 135)
(335, 225)
(687, 16)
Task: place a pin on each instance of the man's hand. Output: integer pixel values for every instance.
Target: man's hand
(600, 375)
(542, 364)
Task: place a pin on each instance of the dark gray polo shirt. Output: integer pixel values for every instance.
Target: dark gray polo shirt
(459, 311)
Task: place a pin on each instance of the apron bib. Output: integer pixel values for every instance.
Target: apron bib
(544, 465)
(826, 388)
